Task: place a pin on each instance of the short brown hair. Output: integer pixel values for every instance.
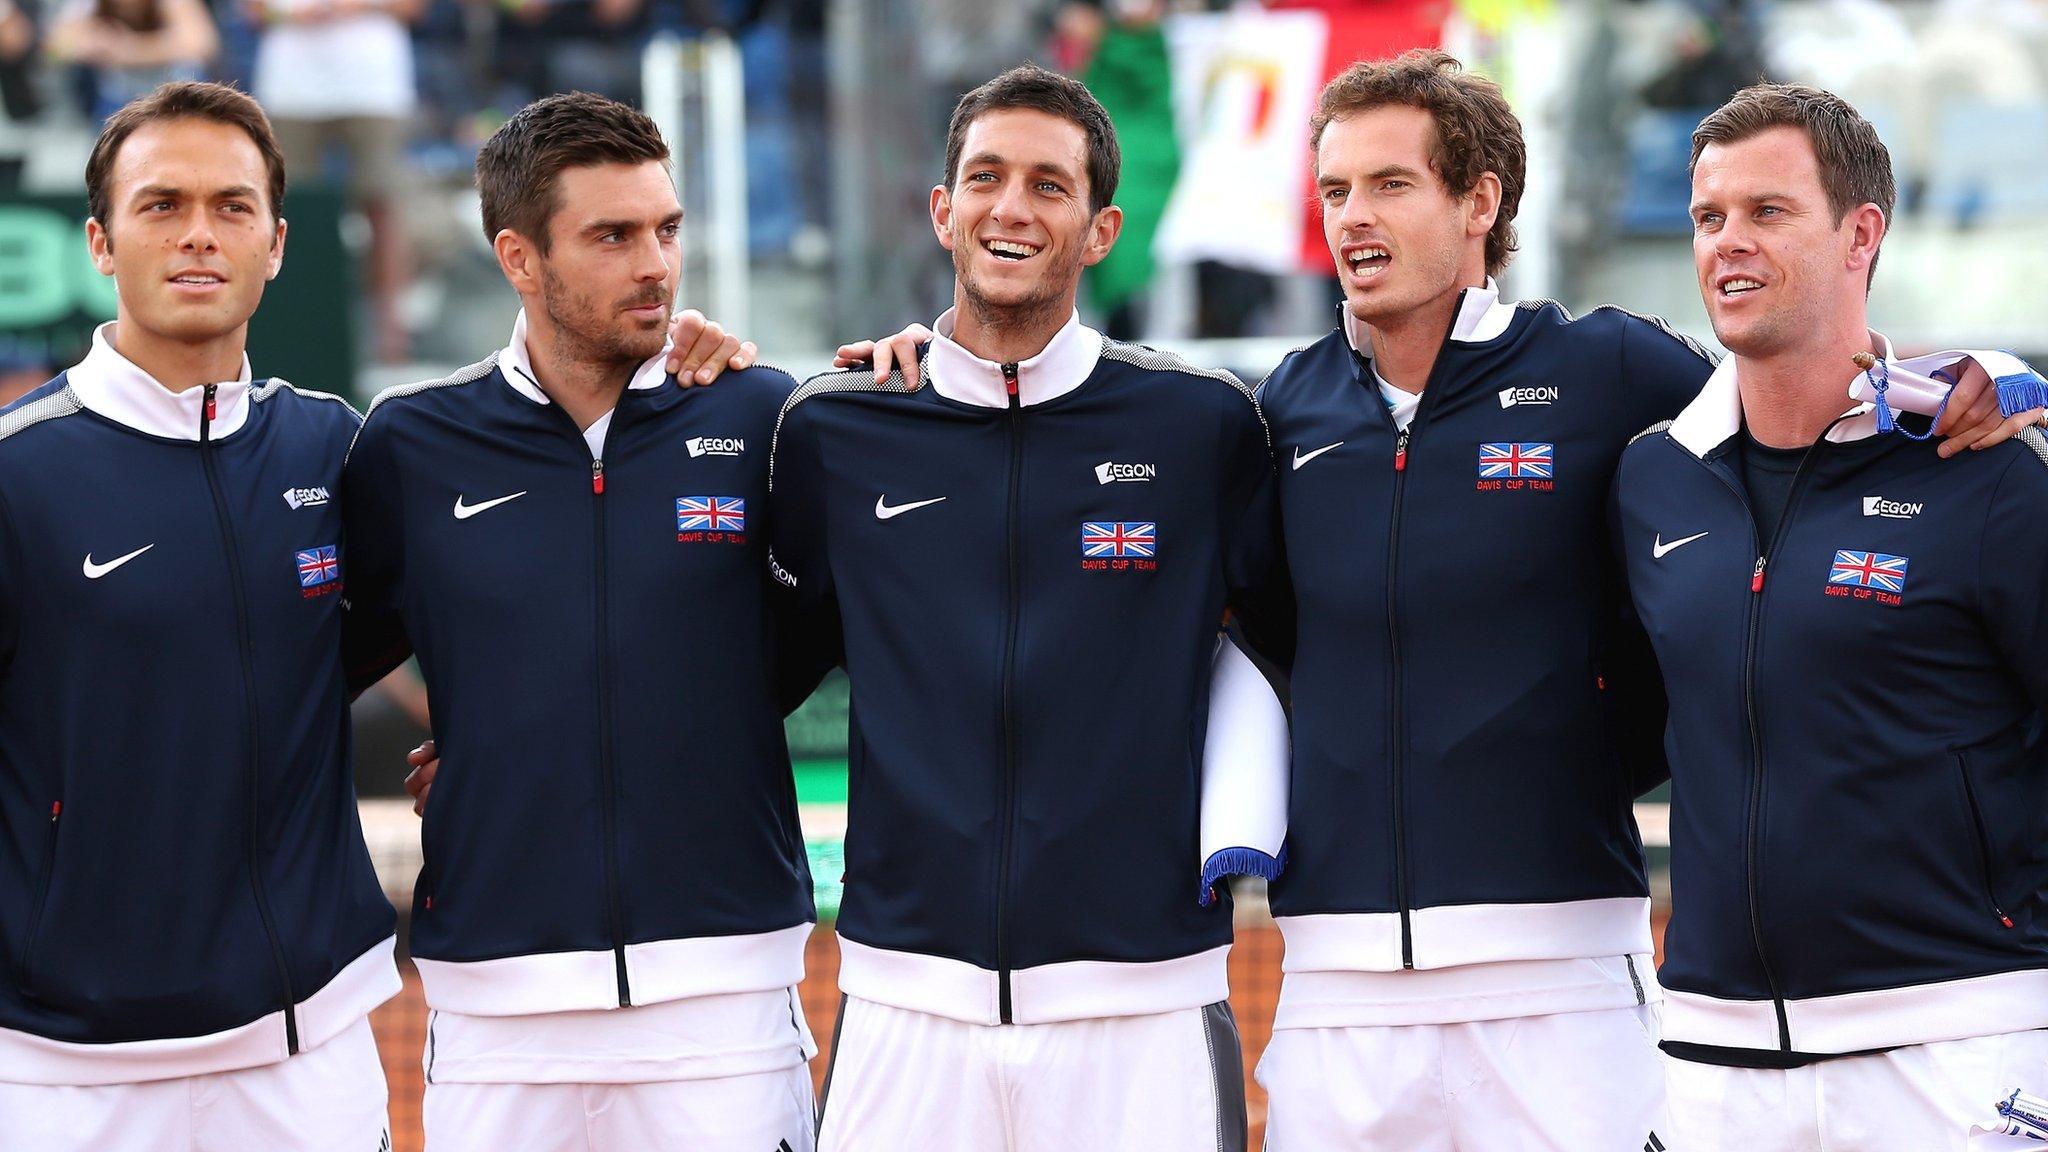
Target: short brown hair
(1030, 87)
(519, 166)
(1476, 131)
(1855, 166)
(180, 99)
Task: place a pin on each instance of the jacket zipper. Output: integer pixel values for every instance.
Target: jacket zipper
(1013, 611)
(35, 912)
(1752, 842)
(1983, 838)
(615, 920)
(207, 452)
(1396, 711)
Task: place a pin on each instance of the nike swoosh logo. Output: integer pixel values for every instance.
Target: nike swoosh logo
(465, 511)
(1658, 547)
(1300, 459)
(95, 571)
(884, 512)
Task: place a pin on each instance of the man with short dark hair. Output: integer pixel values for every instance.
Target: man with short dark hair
(611, 919)
(1473, 705)
(1854, 645)
(193, 931)
(1022, 567)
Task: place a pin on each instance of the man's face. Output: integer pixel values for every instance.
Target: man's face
(1399, 237)
(192, 239)
(610, 274)
(1773, 262)
(1016, 218)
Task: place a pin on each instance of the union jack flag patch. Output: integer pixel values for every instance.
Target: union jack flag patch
(318, 567)
(1868, 570)
(1119, 539)
(711, 514)
(1515, 461)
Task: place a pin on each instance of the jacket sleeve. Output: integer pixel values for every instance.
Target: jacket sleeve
(1631, 685)
(1246, 761)
(373, 638)
(1261, 596)
(10, 596)
(1245, 755)
(806, 604)
(2013, 567)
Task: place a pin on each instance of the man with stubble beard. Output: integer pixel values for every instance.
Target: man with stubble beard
(611, 919)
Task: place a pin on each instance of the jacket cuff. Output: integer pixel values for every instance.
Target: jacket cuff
(1238, 862)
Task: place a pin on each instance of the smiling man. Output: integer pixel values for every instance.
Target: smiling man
(193, 932)
(1022, 567)
(1857, 656)
(611, 919)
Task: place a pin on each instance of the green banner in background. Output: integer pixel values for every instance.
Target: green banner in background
(51, 296)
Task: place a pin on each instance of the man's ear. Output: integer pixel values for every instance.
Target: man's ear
(518, 259)
(942, 215)
(276, 252)
(1484, 199)
(1102, 233)
(100, 243)
(1867, 227)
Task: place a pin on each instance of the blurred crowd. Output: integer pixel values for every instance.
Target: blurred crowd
(387, 100)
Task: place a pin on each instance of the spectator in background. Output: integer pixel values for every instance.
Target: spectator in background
(17, 59)
(129, 47)
(1123, 60)
(341, 72)
(578, 45)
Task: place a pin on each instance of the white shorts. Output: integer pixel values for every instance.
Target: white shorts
(761, 1112)
(904, 1081)
(1922, 1098)
(326, 1099)
(1568, 1082)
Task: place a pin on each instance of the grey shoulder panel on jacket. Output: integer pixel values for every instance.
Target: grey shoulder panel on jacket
(2031, 436)
(63, 402)
(1153, 360)
(277, 384)
(465, 375)
(833, 383)
(1664, 326)
(1652, 430)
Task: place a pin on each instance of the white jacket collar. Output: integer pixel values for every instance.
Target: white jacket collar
(1068, 359)
(115, 387)
(1716, 413)
(517, 367)
(1481, 317)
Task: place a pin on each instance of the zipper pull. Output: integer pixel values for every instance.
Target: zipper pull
(2002, 917)
(1756, 578)
(1401, 451)
(597, 477)
(57, 806)
(1010, 384)
(206, 417)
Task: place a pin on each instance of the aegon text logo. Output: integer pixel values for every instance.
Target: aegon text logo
(305, 497)
(1509, 397)
(715, 445)
(1891, 509)
(1112, 473)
